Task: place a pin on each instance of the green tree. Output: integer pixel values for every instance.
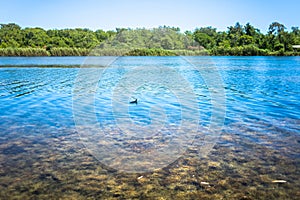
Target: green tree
(10, 35)
(295, 35)
(203, 39)
(277, 36)
(164, 40)
(234, 33)
(276, 28)
(101, 35)
(245, 40)
(35, 37)
(250, 30)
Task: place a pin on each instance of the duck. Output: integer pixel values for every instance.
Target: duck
(132, 102)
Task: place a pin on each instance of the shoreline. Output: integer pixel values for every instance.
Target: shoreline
(67, 52)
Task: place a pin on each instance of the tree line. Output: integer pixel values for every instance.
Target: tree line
(164, 40)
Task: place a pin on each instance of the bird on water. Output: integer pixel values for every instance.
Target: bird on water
(132, 102)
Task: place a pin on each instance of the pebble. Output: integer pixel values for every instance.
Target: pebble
(205, 183)
(279, 181)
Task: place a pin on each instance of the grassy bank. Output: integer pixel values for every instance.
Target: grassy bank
(66, 51)
(59, 51)
(248, 50)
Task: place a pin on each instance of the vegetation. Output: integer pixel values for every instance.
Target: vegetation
(163, 41)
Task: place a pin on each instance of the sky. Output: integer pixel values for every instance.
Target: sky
(185, 14)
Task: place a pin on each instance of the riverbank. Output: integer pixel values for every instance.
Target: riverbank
(66, 51)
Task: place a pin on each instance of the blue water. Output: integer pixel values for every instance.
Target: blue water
(46, 101)
(256, 88)
(38, 61)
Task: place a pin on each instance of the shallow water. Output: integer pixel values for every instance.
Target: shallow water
(43, 153)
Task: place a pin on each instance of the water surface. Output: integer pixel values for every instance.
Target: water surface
(42, 155)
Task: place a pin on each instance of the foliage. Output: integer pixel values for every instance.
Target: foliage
(164, 40)
(247, 50)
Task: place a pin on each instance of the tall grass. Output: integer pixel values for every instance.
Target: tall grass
(150, 52)
(23, 52)
(56, 51)
(145, 52)
(108, 52)
(190, 52)
(248, 50)
(67, 51)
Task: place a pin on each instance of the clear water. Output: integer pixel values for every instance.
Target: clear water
(42, 156)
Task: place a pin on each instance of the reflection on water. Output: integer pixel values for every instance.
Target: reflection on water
(257, 156)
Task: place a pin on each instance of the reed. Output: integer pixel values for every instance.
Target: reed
(247, 50)
(67, 51)
(23, 52)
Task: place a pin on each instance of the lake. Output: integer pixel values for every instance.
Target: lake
(202, 127)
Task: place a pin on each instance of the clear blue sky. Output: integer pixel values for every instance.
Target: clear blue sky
(186, 14)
